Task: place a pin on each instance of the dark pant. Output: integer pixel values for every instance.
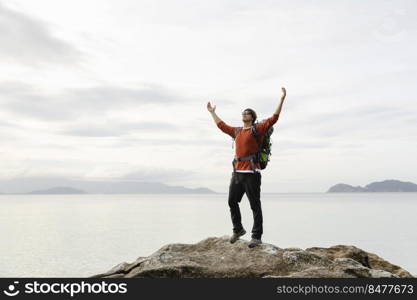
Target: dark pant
(251, 184)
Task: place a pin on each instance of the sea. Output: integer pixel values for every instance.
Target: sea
(87, 234)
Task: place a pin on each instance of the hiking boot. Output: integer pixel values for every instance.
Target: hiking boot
(236, 235)
(253, 242)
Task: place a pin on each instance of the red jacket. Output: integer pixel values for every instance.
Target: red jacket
(246, 143)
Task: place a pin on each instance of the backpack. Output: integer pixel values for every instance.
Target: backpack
(264, 146)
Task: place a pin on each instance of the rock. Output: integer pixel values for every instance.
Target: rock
(389, 185)
(215, 257)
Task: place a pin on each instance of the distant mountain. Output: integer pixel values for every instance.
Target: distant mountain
(376, 187)
(59, 190)
(56, 185)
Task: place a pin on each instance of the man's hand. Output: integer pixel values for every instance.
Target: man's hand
(211, 108)
(284, 93)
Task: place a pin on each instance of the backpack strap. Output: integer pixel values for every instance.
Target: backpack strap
(237, 130)
(257, 136)
(255, 133)
(251, 158)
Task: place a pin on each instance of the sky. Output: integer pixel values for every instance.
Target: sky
(110, 90)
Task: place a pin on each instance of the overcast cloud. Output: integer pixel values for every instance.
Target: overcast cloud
(118, 89)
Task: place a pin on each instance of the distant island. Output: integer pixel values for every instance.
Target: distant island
(52, 191)
(43, 186)
(390, 185)
(59, 190)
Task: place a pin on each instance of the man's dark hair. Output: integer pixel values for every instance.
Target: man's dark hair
(253, 113)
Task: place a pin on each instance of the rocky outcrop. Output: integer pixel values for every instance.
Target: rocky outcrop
(215, 257)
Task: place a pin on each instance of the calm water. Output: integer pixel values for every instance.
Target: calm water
(82, 235)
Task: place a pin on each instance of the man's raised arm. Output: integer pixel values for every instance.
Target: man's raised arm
(230, 130)
(284, 93)
(264, 126)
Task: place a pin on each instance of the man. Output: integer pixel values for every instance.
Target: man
(246, 177)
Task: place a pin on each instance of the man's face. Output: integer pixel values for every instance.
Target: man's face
(246, 116)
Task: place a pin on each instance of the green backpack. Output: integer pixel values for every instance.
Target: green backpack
(262, 156)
